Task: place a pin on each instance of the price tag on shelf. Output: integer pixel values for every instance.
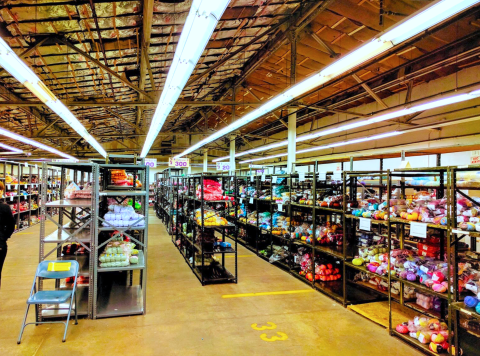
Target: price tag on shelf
(418, 229)
(274, 179)
(263, 177)
(251, 179)
(461, 232)
(301, 176)
(251, 200)
(11, 198)
(9, 186)
(280, 207)
(241, 200)
(26, 164)
(322, 175)
(365, 224)
(231, 179)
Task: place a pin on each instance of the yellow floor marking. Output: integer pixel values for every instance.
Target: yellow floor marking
(267, 293)
(23, 233)
(240, 256)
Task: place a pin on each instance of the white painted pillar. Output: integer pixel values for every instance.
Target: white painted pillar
(232, 154)
(205, 161)
(292, 136)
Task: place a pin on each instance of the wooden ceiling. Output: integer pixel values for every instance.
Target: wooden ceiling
(97, 57)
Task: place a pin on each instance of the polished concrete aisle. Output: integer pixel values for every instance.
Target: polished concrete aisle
(184, 318)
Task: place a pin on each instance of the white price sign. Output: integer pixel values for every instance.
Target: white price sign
(322, 176)
(365, 224)
(151, 162)
(475, 157)
(179, 162)
(301, 176)
(26, 164)
(223, 166)
(280, 207)
(251, 200)
(252, 179)
(9, 186)
(418, 229)
(274, 180)
(263, 177)
(241, 200)
(11, 198)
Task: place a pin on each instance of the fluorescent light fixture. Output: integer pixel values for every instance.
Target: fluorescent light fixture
(11, 148)
(456, 97)
(412, 26)
(201, 21)
(336, 144)
(429, 17)
(20, 71)
(34, 143)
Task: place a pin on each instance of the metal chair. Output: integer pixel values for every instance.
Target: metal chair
(55, 297)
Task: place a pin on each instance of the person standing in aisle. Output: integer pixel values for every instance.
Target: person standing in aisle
(7, 227)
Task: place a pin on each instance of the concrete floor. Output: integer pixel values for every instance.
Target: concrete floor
(184, 318)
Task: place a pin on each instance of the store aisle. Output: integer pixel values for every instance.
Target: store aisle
(184, 318)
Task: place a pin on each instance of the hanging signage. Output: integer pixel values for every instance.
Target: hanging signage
(65, 160)
(475, 157)
(223, 166)
(151, 162)
(179, 162)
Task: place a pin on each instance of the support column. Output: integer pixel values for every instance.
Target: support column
(205, 161)
(232, 154)
(292, 137)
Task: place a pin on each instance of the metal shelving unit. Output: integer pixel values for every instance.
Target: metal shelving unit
(191, 241)
(120, 290)
(75, 226)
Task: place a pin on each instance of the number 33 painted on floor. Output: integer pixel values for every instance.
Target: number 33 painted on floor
(272, 326)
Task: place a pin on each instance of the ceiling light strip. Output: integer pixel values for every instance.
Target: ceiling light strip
(415, 24)
(13, 149)
(336, 144)
(14, 136)
(201, 21)
(454, 97)
(20, 71)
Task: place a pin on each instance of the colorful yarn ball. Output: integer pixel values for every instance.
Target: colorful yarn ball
(471, 302)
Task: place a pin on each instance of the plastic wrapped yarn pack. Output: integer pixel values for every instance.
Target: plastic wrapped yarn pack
(123, 216)
(69, 192)
(212, 190)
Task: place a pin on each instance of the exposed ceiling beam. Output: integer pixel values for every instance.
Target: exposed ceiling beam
(370, 91)
(23, 103)
(104, 67)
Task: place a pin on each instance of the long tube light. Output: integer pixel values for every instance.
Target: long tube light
(336, 144)
(12, 135)
(454, 97)
(20, 71)
(10, 148)
(201, 21)
(415, 24)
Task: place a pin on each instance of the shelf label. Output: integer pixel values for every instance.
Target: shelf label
(365, 224)
(263, 177)
(274, 180)
(418, 229)
(9, 186)
(322, 175)
(251, 200)
(241, 200)
(251, 179)
(280, 207)
(11, 198)
(26, 164)
(231, 179)
(461, 232)
(301, 176)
